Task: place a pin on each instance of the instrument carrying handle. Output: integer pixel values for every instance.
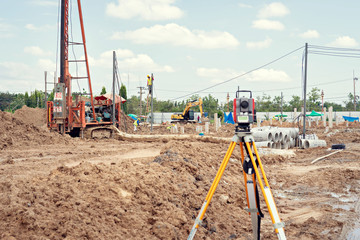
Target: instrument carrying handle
(239, 91)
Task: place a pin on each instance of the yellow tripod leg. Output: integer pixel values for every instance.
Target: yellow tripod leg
(251, 197)
(212, 190)
(269, 199)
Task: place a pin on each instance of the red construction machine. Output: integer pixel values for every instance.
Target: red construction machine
(75, 116)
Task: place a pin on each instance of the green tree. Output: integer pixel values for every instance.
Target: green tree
(263, 104)
(133, 105)
(313, 102)
(17, 102)
(123, 94)
(349, 105)
(27, 99)
(5, 100)
(276, 104)
(210, 105)
(103, 90)
(336, 107)
(295, 102)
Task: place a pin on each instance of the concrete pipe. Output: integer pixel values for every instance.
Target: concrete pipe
(278, 145)
(285, 138)
(273, 145)
(262, 144)
(292, 132)
(284, 145)
(301, 143)
(313, 143)
(269, 144)
(261, 136)
(291, 142)
(281, 136)
(275, 136)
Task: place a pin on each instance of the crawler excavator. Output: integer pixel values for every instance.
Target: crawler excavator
(78, 118)
(188, 115)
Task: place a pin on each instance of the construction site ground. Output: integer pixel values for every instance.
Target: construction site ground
(58, 187)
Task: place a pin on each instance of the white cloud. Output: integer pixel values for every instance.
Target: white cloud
(262, 75)
(268, 25)
(30, 26)
(145, 63)
(45, 27)
(18, 77)
(259, 45)
(344, 41)
(243, 5)
(268, 75)
(179, 36)
(36, 51)
(46, 64)
(5, 30)
(216, 75)
(45, 3)
(16, 70)
(144, 9)
(310, 34)
(275, 9)
(129, 61)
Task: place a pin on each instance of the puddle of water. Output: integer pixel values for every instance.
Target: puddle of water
(344, 198)
(344, 207)
(354, 235)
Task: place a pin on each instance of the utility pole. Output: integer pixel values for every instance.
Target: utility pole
(141, 93)
(45, 89)
(322, 100)
(305, 79)
(281, 106)
(152, 94)
(113, 101)
(354, 78)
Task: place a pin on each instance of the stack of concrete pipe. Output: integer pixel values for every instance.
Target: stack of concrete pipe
(273, 137)
(311, 141)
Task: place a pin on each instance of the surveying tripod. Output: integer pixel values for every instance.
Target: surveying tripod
(250, 163)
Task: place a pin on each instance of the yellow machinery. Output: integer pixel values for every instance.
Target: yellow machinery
(188, 115)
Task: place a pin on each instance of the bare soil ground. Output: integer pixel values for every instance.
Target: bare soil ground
(57, 187)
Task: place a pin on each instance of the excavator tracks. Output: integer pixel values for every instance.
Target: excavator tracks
(98, 132)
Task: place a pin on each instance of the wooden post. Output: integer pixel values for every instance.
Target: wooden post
(330, 117)
(207, 127)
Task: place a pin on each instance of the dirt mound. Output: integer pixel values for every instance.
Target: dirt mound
(126, 123)
(34, 116)
(129, 200)
(26, 128)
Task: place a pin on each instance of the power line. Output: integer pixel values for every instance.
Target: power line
(335, 54)
(335, 51)
(241, 75)
(264, 90)
(333, 48)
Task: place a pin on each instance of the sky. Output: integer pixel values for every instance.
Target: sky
(189, 46)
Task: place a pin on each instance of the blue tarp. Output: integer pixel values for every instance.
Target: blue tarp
(133, 116)
(229, 118)
(351, 119)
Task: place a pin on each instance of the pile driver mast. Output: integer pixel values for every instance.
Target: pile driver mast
(64, 115)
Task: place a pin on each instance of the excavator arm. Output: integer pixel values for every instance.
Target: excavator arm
(187, 109)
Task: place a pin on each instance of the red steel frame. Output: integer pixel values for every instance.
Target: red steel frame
(75, 114)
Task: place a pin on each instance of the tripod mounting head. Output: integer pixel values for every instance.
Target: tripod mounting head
(244, 111)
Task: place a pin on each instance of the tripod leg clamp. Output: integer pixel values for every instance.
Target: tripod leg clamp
(235, 139)
(279, 225)
(252, 210)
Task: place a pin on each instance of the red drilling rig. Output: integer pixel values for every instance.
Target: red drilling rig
(78, 117)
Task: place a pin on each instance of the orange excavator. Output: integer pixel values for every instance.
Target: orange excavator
(78, 118)
(188, 115)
